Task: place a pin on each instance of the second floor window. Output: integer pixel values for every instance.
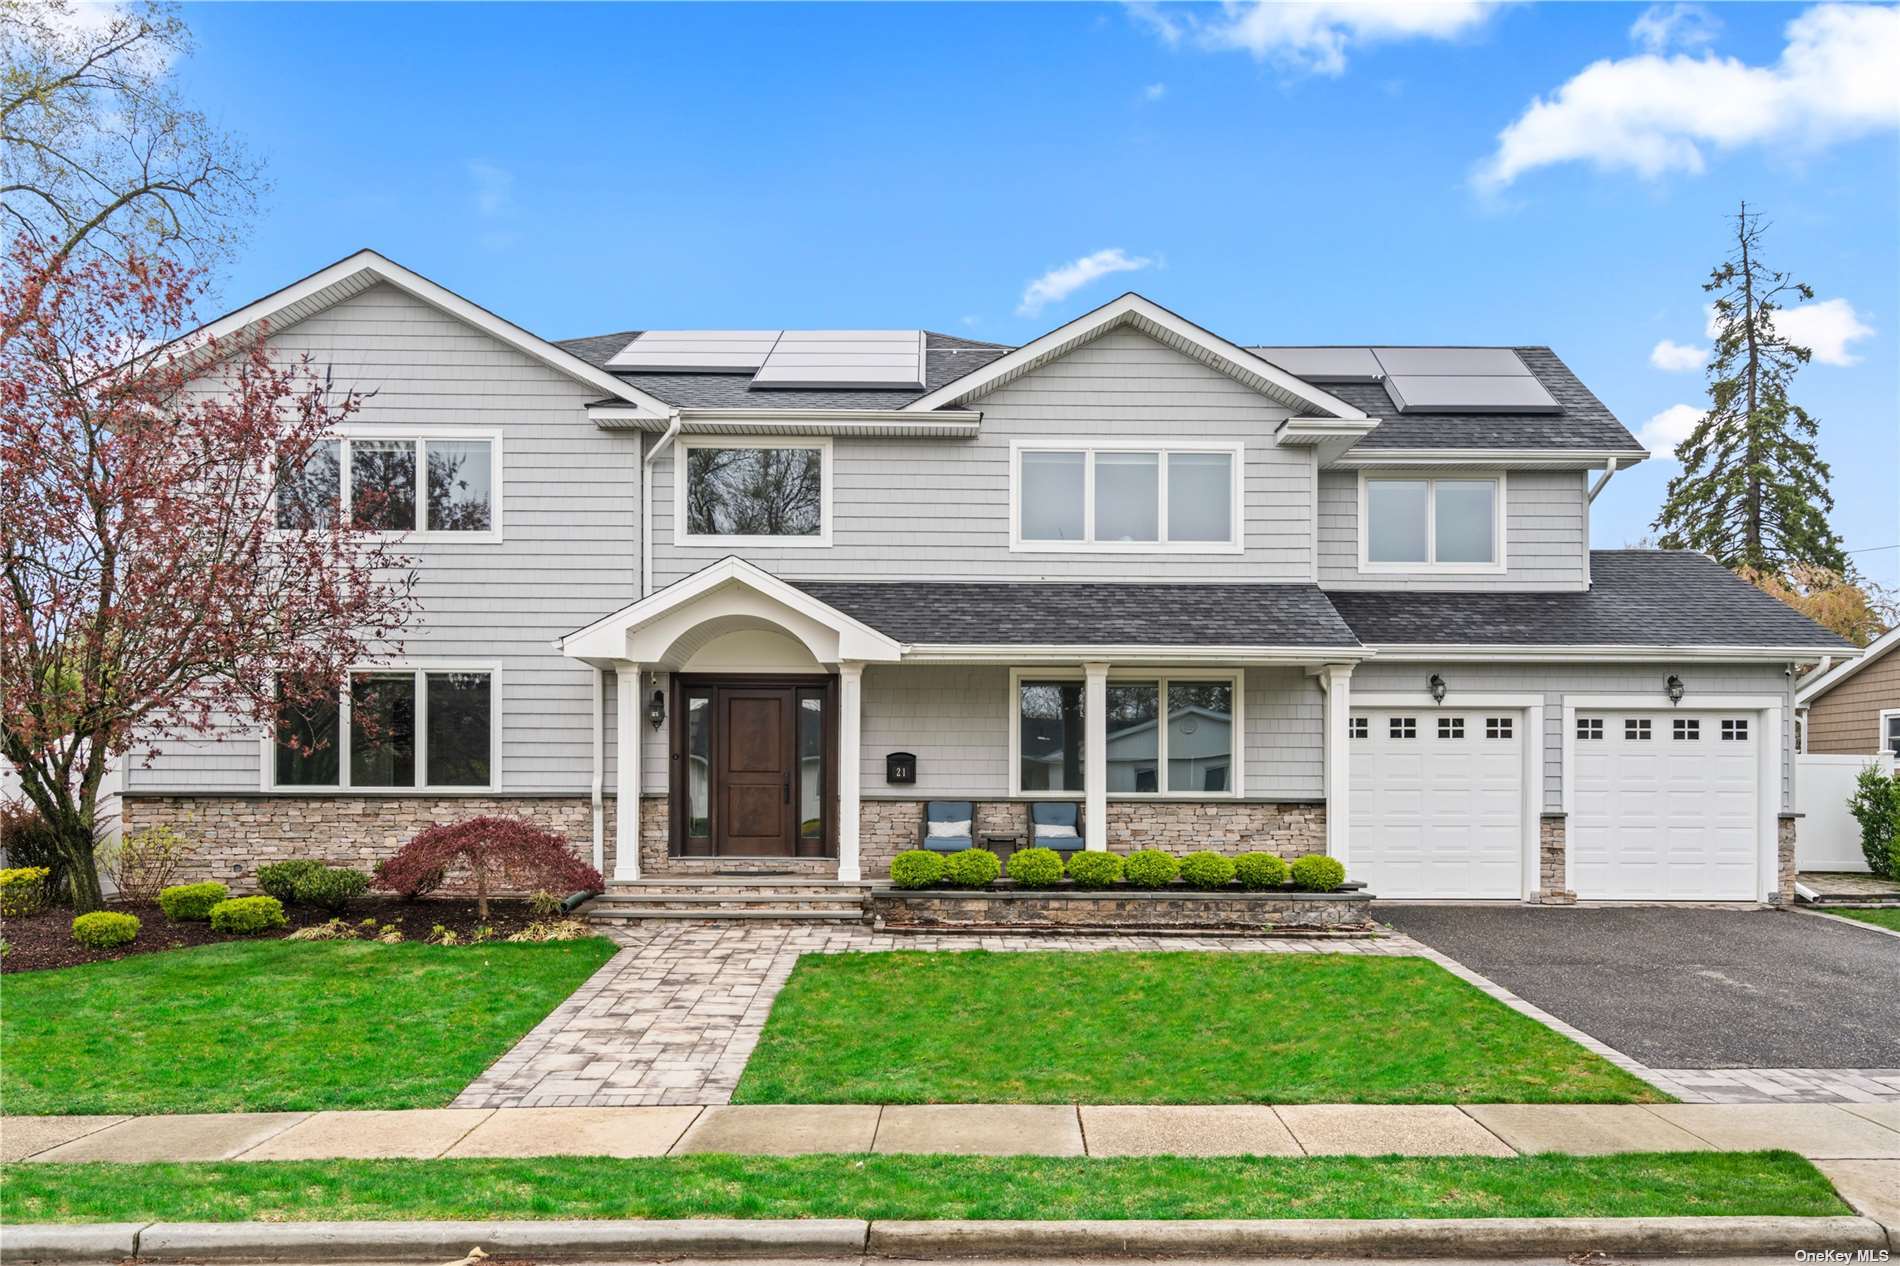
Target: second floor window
(393, 484)
(774, 491)
(1427, 524)
(1113, 498)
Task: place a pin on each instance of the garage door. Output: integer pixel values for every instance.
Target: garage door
(1664, 807)
(1438, 802)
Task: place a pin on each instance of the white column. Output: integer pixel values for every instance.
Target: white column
(627, 720)
(1336, 681)
(850, 725)
(1095, 754)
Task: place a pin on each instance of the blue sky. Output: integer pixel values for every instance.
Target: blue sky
(1328, 174)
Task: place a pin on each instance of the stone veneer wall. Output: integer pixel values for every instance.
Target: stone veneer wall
(231, 836)
(1551, 844)
(1189, 826)
(1784, 859)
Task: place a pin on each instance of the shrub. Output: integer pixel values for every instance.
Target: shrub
(1207, 870)
(23, 890)
(142, 863)
(334, 930)
(543, 904)
(553, 930)
(32, 843)
(1875, 804)
(971, 868)
(1260, 870)
(1317, 872)
(105, 929)
(484, 856)
(1036, 867)
(191, 903)
(918, 868)
(247, 916)
(1150, 868)
(1092, 868)
(331, 887)
(279, 879)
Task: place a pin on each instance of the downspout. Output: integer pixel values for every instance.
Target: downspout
(1607, 472)
(646, 500)
(600, 761)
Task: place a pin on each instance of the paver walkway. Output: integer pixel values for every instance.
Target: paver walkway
(673, 1017)
(1859, 1132)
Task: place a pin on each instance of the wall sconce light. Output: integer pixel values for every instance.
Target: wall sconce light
(1673, 687)
(656, 709)
(1437, 687)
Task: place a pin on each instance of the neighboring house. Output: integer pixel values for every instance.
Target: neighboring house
(1853, 708)
(684, 592)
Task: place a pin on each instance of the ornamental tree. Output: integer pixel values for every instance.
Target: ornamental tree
(484, 856)
(153, 590)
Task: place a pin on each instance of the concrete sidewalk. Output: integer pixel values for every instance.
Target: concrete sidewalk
(1857, 1132)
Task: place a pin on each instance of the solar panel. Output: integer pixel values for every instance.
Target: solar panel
(845, 358)
(1324, 364)
(1460, 393)
(1477, 362)
(696, 351)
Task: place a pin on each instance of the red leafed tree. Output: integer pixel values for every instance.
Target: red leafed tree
(152, 590)
(483, 856)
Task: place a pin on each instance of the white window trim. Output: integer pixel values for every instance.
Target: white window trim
(1236, 530)
(1236, 780)
(422, 435)
(1887, 717)
(421, 668)
(684, 538)
(1431, 481)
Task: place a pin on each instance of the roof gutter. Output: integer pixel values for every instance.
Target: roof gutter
(1599, 654)
(646, 499)
(1608, 470)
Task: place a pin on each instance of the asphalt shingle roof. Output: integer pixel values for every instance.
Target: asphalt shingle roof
(1636, 598)
(963, 613)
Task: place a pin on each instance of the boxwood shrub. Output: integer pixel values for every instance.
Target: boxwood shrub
(330, 888)
(1207, 870)
(971, 868)
(191, 903)
(1093, 868)
(1150, 868)
(23, 890)
(1260, 870)
(1317, 872)
(105, 929)
(918, 868)
(1036, 867)
(279, 879)
(247, 916)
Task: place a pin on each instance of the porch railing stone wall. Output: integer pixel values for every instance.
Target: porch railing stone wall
(1182, 826)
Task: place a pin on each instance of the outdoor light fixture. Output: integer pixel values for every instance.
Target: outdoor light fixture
(1437, 685)
(656, 709)
(1674, 688)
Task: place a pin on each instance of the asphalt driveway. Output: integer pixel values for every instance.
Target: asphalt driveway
(1686, 988)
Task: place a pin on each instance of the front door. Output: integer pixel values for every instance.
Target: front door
(751, 767)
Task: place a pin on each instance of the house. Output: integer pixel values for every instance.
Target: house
(1853, 708)
(684, 592)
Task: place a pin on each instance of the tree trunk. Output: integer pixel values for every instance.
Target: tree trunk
(1751, 514)
(82, 869)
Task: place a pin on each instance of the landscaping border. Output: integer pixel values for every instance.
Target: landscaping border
(1174, 908)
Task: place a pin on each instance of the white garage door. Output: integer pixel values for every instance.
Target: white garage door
(1665, 806)
(1438, 802)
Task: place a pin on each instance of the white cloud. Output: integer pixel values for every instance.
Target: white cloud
(1824, 328)
(494, 188)
(1674, 356)
(1662, 433)
(1154, 92)
(1065, 279)
(1665, 26)
(1654, 115)
(1311, 36)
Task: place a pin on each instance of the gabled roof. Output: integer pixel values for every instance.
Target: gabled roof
(1164, 327)
(353, 275)
(1877, 650)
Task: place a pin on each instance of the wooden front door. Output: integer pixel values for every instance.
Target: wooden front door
(752, 767)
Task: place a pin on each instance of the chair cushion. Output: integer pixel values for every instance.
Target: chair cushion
(948, 843)
(958, 828)
(1056, 831)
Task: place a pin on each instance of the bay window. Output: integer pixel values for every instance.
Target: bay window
(393, 729)
(1126, 497)
(1164, 734)
(1431, 524)
(437, 485)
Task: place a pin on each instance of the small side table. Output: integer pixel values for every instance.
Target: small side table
(1002, 846)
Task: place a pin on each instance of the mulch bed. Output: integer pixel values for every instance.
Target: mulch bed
(45, 940)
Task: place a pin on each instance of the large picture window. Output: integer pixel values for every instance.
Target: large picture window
(418, 484)
(736, 491)
(1164, 735)
(1126, 498)
(1432, 524)
(394, 729)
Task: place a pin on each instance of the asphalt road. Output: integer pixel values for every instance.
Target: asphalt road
(1684, 987)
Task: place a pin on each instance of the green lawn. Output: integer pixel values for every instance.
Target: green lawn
(1889, 918)
(1627, 1185)
(972, 1027)
(276, 1025)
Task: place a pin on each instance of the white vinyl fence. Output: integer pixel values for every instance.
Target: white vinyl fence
(1827, 837)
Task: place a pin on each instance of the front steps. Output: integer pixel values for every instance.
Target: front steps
(775, 898)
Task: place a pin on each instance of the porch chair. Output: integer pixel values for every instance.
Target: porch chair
(1056, 824)
(949, 826)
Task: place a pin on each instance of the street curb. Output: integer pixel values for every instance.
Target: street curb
(434, 1242)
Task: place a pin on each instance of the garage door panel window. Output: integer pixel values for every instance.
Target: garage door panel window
(1589, 728)
(1454, 525)
(1358, 728)
(1403, 728)
(1636, 729)
(1734, 731)
(1451, 727)
(1686, 730)
(1498, 727)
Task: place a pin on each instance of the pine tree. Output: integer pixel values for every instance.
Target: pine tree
(1753, 489)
